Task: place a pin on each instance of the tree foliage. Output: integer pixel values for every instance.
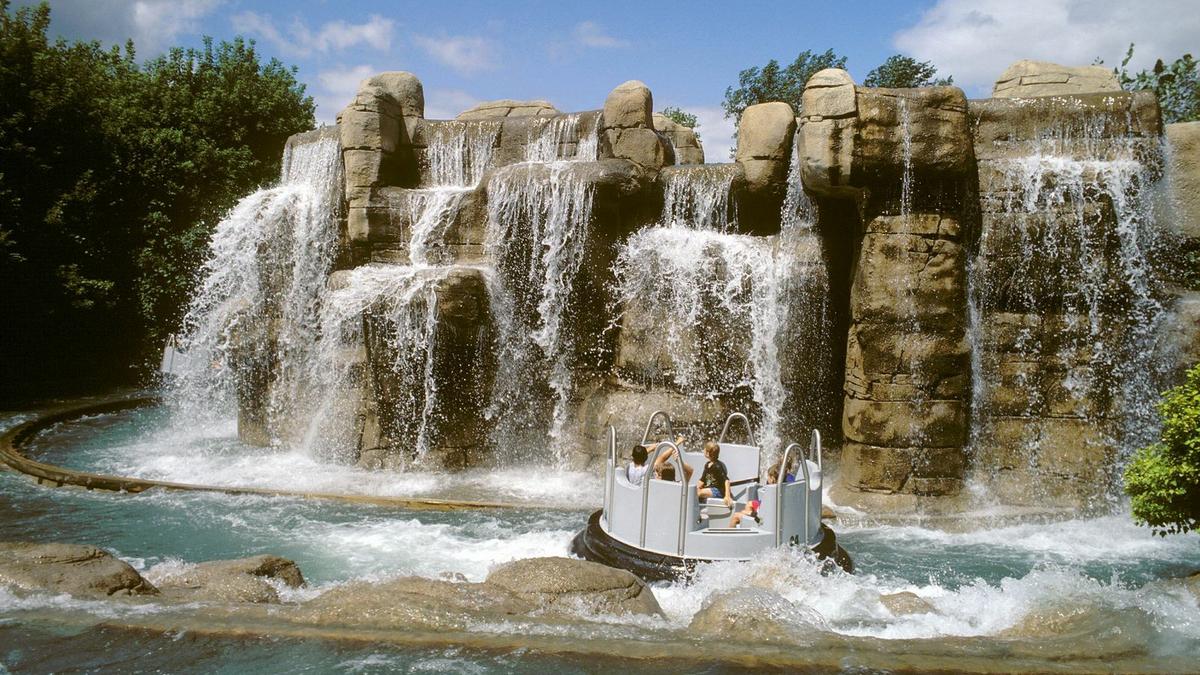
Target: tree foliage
(1163, 480)
(774, 83)
(899, 71)
(112, 175)
(681, 117)
(1177, 85)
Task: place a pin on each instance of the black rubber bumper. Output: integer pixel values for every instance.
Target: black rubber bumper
(594, 544)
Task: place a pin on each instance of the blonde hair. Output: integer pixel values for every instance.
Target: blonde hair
(714, 447)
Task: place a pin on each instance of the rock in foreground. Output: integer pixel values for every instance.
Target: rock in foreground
(567, 582)
(79, 570)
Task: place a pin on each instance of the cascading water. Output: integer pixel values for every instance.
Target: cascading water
(1065, 305)
(726, 306)
(458, 153)
(697, 197)
(539, 213)
(262, 288)
(390, 311)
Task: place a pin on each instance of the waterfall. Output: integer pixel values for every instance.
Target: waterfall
(378, 310)
(458, 153)
(262, 286)
(561, 139)
(539, 213)
(1065, 302)
(730, 311)
(698, 197)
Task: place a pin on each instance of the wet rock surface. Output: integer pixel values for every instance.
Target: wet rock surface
(242, 580)
(566, 583)
(757, 615)
(75, 569)
(906, 602)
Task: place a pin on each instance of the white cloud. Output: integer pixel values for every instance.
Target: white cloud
(584, 35)
(716, 132)
(153, 25)
(300, 40)
(446, 104)
(465, 54)
(336, 88)
(975, 40)
(591, 34)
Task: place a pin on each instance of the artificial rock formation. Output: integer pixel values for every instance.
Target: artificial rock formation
(574, 277)
(1025, 79)
(79, 570)
(684, 141)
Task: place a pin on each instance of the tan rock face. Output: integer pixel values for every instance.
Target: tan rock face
(508, 108)
(78, 570)
(404, 89)
(567, 582)
(827, 131)
(756, 615)
(1184, 175)
(630, 105)
(1027, 78)
(905, 602)
(684, 140)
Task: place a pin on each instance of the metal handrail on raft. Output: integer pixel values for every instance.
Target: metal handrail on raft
(681, 478)
(650, 423)
(745, 420)
(779, 494)
(610, 485)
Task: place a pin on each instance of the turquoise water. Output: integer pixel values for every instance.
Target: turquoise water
(984, 585)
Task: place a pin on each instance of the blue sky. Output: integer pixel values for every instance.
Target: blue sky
(573, 53)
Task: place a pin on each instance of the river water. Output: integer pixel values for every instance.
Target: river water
(1081, 595)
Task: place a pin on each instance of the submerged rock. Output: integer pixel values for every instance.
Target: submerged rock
(241, 580)
(906, 602)
(411, 602)
(757, 615)
(75, 569)
(566, 583)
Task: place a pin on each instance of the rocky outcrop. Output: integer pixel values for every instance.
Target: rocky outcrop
(628, 129)
(764, 150)
(827, 131)
(566, 583)
(507, 107)
(377, 131)
(75, 569)
(757, 615)
(1027, 78)
(243, 580)
(684, 141)
(907, 359)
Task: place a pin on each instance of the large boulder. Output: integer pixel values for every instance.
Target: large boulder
(411, 603)
(75, 569)
(241, 580)
(629, 105)
(756, 615)
(1028, 78)
(569, 584)
(764, 144)
(827, 133)
(508, 107)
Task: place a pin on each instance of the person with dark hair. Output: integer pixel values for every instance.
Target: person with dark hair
(714, 481)
(637, 468)
(665, 470)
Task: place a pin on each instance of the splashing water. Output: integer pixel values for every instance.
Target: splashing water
(538, 228)
(698, 197)
(1065, 274)
(562, 139)
(459, 153)
(262, 287)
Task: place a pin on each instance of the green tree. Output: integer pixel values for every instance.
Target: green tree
(112, 174)
(773, 83)
(682, 118)
(1176, 85)
(1163, 480)
(899, 71)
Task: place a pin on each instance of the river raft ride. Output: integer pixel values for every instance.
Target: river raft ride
(659, 530)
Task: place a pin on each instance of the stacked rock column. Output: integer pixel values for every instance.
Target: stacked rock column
(903, 156)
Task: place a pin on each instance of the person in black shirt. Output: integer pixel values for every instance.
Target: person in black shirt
(714, 481)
